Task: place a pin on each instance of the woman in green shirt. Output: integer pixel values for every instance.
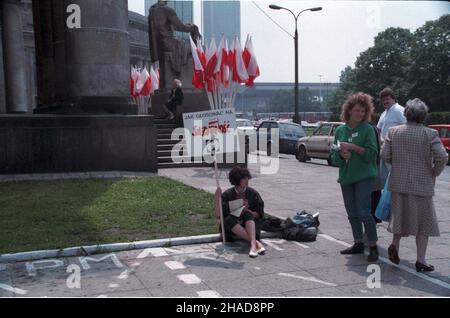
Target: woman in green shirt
(355, 152)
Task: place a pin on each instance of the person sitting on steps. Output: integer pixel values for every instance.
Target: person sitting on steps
(175, 99)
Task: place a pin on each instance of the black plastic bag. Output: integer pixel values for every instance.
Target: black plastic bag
(272, 224)
(298, 232)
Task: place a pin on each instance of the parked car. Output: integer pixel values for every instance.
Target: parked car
(244, 125)
(289, 133)
(319, 144)
(444, 133)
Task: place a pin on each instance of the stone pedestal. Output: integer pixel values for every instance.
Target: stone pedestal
(2, 70)
(52, 143)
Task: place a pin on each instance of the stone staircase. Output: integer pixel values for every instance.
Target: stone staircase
(164, 130)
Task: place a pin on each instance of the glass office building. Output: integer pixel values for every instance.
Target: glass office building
(221, 17)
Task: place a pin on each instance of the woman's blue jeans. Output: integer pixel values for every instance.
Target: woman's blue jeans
(357, 200)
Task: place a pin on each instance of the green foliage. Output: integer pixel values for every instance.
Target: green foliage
(438, 118)
(412, 64)
(346, 87)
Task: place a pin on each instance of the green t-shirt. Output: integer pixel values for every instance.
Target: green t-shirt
(358, 167)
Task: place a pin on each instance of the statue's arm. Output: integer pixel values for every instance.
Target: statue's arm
(176, 22)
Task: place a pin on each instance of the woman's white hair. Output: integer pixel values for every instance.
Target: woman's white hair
(177, 82)
(416, 110)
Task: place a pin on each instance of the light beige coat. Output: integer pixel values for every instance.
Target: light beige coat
(417, 157)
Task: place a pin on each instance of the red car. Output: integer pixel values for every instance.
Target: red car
(444, 133)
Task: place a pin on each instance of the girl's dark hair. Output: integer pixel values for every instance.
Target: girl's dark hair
(237, 174)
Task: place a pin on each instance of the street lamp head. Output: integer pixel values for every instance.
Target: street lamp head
(316, 9)
(275, 7)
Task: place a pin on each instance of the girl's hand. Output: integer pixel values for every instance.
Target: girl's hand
(218, 193)
(346, 154)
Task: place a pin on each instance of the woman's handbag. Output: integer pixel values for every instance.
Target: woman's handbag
(383, 210)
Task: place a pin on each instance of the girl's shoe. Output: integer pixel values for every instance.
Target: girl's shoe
(357, 248)
(261, 251)
(373, 254)
(253, 254)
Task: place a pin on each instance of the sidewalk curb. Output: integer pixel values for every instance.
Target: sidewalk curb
(115, 247)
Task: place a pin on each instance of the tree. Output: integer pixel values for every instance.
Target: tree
(385, 64)
(429, 74)
(412, 64)
(346, 87)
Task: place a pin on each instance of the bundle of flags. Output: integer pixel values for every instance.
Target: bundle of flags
(142, 85)
(220, 70)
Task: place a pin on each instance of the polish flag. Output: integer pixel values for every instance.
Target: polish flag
(144, 84)
(240, 74)
(231, 55)
(133, 80)
(211, 60)
(154, 80)
(197, 77)
(225, 66)
(251, 63)
(220, 59)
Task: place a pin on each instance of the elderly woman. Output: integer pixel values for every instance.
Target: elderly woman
(246, 222)
(175, 99)
(417, 157)
(355, 152)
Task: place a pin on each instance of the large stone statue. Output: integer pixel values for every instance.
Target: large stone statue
(171, 53)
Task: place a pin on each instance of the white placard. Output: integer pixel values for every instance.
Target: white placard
(217, 127)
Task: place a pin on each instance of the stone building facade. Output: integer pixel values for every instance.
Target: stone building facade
(19, 78)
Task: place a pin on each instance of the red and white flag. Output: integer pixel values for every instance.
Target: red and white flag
(220, 57)
(240, 74)
(133, 81)
(198, 77)
(251, 63)
(144, 84)
(225, 66)
(211, 60)
(154, 79)
(231, 55)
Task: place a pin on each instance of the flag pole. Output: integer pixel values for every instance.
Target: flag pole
(216, 172)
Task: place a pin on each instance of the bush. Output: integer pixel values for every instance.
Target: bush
(438, 118)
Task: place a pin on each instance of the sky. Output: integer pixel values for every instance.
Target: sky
(329, 40)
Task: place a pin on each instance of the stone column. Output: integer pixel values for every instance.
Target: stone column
(98, 58)
(2, 70)
(14, 52)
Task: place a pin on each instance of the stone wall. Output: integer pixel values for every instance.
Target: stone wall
(52, 143)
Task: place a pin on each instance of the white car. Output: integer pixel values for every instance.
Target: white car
(319, 144)
(245, 126)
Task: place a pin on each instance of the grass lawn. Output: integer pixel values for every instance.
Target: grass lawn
(58, 214)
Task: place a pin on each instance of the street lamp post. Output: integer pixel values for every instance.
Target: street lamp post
(320, 92)
(296, 118)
